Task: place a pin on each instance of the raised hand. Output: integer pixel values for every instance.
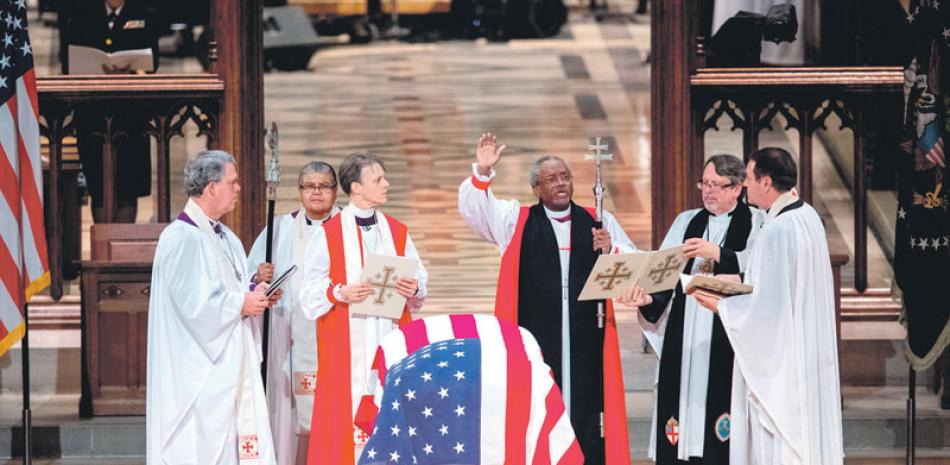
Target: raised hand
(487, 153)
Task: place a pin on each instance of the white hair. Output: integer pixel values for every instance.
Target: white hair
(205, 168)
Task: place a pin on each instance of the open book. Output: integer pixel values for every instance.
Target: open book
(89, 60)
(653, 271)
(713, 284)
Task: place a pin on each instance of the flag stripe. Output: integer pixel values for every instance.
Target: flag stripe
(494, 369)
(463, 326)
(439, 328)
(416, 337)
(10, 315)
(519, 396)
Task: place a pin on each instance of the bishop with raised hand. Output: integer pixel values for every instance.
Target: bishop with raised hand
(548, 251)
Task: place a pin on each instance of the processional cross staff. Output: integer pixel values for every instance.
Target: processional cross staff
(600, 154)
(272, 178)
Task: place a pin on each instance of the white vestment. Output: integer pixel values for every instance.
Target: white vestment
(366, 332)
(697, 336)
(786, 396)
(292, 342)
(496, 220)
(205, 400)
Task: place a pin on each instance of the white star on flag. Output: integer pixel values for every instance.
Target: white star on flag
(395, 405)
(427, 412)
(410, 394)
(4, 62)
(901, 213)
(412, 431)
(459, 354)
(427, 448)
(395, 430)
(459, 375)
(27, 50)
(426, 376)
(394, 456)
(459, 447)
(443, 393)
(371, 453)
(459, 411)
(443, 364)
(444, 430)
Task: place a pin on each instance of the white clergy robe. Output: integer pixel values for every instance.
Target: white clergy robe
(292, 342)
(697, 335)
(786, 397)
(205, 399)
(366, 332)
(495, 220)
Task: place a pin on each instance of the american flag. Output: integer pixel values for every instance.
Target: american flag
(467, 389)
(24, 268)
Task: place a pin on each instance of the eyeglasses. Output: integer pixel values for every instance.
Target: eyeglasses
(554, 178)
(323, 188)
(713, 186)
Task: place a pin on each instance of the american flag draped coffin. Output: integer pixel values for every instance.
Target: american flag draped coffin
(467, 389)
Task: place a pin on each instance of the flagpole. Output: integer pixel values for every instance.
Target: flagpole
(911, 416)
(25, 361)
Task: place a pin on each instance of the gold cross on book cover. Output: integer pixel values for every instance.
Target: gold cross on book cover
(653, 271)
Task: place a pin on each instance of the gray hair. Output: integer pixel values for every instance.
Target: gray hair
(207, 167)
(351, 170)
(729, 166)
(536, 168)
(316, 167)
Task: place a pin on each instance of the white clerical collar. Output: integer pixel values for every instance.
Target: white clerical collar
(725, 214)
(360, 212)
(551, 214)
(780, 203)
(110, 10)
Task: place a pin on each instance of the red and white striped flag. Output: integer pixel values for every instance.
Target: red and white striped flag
(24, 265)
(481, 383)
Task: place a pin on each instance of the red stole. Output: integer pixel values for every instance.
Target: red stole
(331, 426)
(616, 441)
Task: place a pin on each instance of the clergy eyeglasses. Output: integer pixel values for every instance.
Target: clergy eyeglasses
(712, 186)
(323, 188)
(565, 178)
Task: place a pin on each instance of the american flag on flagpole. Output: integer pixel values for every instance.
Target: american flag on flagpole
(24, 265)
(467, 389)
